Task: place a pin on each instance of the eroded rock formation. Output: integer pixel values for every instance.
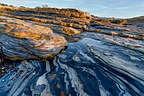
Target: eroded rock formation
(104, 57)
(73, 18)
(29, 41)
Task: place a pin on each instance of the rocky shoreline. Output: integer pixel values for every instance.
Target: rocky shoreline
(67, 52)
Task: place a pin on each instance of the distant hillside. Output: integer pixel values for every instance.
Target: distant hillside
(136, 19)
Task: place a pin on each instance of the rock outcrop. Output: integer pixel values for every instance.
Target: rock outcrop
(103, 57)
(29, 41)
(41, 41)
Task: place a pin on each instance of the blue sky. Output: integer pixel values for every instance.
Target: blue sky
(103, 8)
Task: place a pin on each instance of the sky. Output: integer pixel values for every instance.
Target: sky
(102, 8)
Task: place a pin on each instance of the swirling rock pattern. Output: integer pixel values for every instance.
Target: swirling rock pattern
(98, 68)
(21, 41)
(93, 64)
(95, 69)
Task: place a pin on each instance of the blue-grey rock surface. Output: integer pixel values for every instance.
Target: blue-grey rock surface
(70, 59)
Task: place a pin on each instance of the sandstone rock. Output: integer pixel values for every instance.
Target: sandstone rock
(62, 29)
(70, 31)
(21, 42)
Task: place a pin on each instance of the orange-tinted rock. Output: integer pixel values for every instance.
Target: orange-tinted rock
(28, 41)
(70, 31)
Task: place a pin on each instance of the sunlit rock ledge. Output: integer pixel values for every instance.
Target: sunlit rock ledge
(23, 40)
(103, 57)
(72, 21)
(31, 33)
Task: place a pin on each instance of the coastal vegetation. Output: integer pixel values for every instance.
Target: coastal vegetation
(136, 19)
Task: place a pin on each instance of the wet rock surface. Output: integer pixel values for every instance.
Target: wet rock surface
(102, 58)
(98, 68)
